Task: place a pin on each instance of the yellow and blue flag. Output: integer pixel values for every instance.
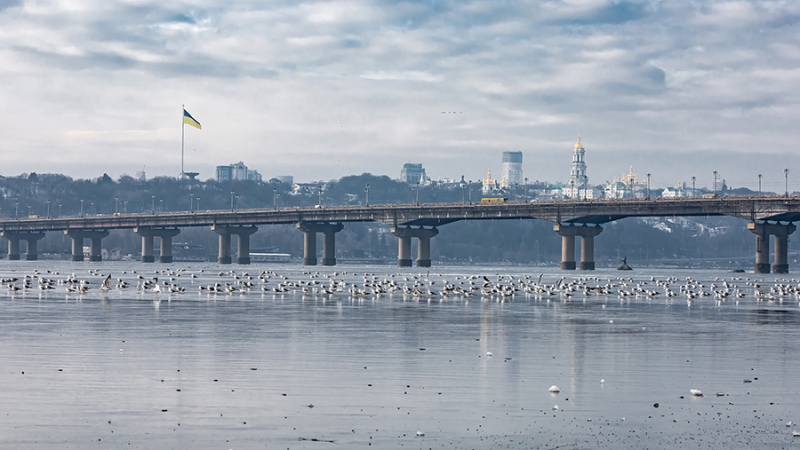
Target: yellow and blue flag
(188, 119)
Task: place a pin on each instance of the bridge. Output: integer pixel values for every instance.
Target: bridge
(766, 215)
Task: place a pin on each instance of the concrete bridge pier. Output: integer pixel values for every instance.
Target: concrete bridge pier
(13, 247)
(423, 235)
(32, 238)
(781, 233)
(328, 230)
(95, 247)
(165, 234)
(568, 233)
(225, 232)
(243, 244)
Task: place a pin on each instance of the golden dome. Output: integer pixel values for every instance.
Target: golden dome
(578, 144)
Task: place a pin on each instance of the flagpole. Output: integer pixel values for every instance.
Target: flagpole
(183, 108)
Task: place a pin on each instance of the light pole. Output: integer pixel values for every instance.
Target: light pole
(463, 193)
(59, 210)
(275, 198)
(759, 184)
(572, 189)
(116, 205)
(92, 211)
(232, 194)
(693, 181)
(470, 191)
(235, 203)
(29, 211)
(585, 186)
(319, 191)
(48, 209)
(16, 210)
(526, 190)
(366, 190)
(786, 175)
(81, 208)
(648, 186)
(417, 193)
(161, 205)
(715, 183)
(198, 204)
(191, 202)
(153, 207)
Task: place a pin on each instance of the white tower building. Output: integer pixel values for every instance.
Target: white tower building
(577, 174)
(512, 168)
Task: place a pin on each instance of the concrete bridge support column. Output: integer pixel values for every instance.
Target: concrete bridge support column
(309, 248)
(328, 230)
(404, 251)
(224, 253)
(31, 252)
(95, 248)
(329, 243)
(567, 252)
(587, 235)
(423, 235)
(423, 251)
(13, 245)
(147, 248)
(77, 248)
(567, 233)
(243, 243)
(781, 233)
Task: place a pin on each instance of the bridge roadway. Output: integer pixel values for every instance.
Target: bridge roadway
(767, 215)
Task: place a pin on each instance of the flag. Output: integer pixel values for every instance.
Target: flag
(188, 119)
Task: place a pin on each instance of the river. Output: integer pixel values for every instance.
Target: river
(129, 369)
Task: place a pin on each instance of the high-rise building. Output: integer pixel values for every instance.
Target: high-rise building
(224, 173)
(512, 168)
(412, 173)
(237, 171)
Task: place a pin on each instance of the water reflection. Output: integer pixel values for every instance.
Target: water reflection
(207, 370)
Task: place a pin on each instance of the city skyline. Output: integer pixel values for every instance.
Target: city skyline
(321, 90)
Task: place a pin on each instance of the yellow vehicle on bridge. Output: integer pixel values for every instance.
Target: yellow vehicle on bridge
(493, 200)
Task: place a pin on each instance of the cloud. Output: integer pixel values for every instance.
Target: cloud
(322, 89)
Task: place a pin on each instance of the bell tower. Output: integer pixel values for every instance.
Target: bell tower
(577, 173)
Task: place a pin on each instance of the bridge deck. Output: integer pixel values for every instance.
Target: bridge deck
(786, 209)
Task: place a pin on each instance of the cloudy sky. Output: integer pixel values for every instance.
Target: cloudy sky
(323, 89)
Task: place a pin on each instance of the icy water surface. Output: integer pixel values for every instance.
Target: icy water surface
(128, 369)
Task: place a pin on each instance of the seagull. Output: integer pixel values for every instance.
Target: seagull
(106, 284)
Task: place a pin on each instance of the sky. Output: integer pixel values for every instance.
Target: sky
(323, 89)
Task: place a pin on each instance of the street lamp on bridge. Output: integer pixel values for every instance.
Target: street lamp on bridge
(759, 184)
(366, 191)
(191, 202)
(152, 208)
(469, 184)
(694, 179)
(526, 190)
(786, 175)
(275, 198)
(48, 209)
(116, 205)
(82, 206)
(16, 210)
(715, 183)
(648, 186)
(232, 194)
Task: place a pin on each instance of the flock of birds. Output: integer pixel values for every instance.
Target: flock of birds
(499, 287)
